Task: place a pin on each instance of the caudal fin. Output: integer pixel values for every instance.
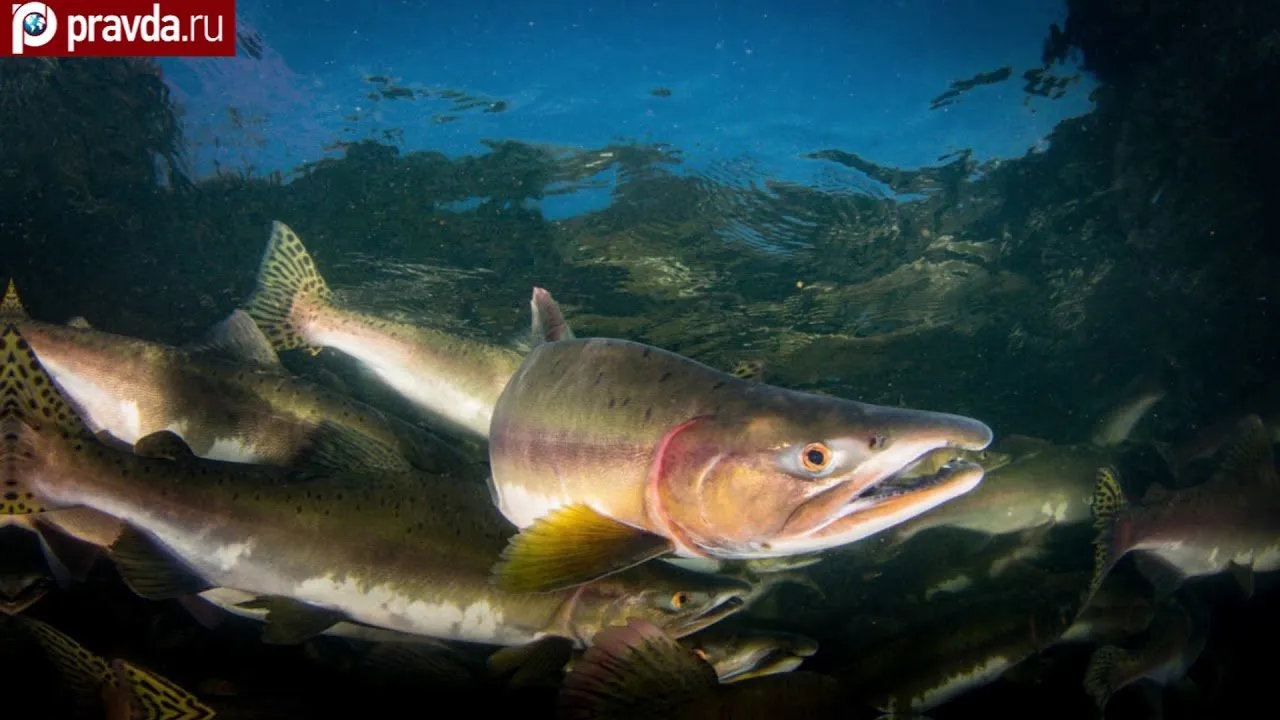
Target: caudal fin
(119, 687)
(1100, 678)
(11, 306)
(30, 409)
(286, 278)
(1109, 506)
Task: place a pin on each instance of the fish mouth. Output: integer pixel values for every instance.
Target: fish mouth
(899, 484)
(915, 434)
(711, 615)
(882, 505)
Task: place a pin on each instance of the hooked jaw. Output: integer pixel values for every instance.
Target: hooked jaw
(870, 500)
(885, 505)
(909, 435)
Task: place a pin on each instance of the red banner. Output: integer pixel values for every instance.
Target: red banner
(122, 28)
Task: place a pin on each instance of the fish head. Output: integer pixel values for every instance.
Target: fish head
(678, 601)
(743, 653)
(800, 473)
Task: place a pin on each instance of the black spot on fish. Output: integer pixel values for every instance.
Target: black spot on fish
(665, 376)
(645, 354)
(611, 402)
(648, 413)
(599, 377)
(626, 401)
(718, 385)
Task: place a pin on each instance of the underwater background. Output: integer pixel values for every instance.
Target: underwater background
(1006, 210)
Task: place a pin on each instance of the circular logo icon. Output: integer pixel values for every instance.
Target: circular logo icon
(35, 24)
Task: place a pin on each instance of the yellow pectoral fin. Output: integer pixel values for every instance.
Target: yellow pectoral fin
(571, 546)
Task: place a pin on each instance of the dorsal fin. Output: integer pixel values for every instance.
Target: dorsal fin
(11, 306)
(238, 339)
(548, 321)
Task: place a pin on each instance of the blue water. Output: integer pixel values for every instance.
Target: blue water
(754, 81)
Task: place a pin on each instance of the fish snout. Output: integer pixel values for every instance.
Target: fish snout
(936, 429)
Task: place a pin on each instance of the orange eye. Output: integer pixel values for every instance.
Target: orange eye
(815, 457)
(702, 654)
(680, 599)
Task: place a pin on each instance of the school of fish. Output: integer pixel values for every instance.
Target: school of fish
(593, 514)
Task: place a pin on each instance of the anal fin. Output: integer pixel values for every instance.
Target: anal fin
(571, 546)
(151, 571)
(289, 621)
(1243, 575)
(539, 662)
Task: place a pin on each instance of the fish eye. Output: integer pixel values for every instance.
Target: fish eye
(702, 654)
(815, 457)
(681, 599)
(877, 442)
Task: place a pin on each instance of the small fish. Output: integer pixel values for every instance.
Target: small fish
(116, 689)
(1041, 485)
(227, 397)
(1032, 483)
(455, 381)
(931, 463)
(637, 671)
(315, 545)
(608, 453)
(1228, 523)
(744, 653)
(1173, 644)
